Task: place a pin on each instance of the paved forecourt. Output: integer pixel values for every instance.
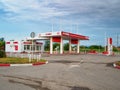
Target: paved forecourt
(64, 72)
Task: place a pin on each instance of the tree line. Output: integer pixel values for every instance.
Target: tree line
(2, 48)
(98, 48)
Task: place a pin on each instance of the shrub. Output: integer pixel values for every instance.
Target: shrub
(118, 63)
(2, 54)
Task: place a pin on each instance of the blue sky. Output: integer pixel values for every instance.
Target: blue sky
(93, 18)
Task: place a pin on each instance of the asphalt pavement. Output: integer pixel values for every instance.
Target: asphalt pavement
(64, 72)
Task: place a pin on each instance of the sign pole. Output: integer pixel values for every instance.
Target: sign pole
(32, 35)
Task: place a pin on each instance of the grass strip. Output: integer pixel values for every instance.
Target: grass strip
(10, 60)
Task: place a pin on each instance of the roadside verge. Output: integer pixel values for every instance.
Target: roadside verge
(116, 66)
(27, 64)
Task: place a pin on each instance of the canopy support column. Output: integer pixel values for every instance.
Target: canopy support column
(51, 46)
(78, 47)
(70, 49)
(61, 46)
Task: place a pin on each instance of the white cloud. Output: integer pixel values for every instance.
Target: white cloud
(83, 11)
(29, 10)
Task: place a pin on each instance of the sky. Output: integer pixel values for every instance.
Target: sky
(94, 18)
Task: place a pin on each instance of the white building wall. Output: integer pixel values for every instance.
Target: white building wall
(13, 46)
(18, 46)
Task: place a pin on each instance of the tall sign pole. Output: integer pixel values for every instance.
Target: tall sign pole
(32, 35)
(117, 40)
(105, 41)
(110, 47)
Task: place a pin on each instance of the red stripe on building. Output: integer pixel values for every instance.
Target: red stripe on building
(56, 39)
(39, 43)
(15, 42)
(74, 41)
(27, 42)
(7, 42)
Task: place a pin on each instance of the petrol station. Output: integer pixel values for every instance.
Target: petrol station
(58, 37)
(34, 44)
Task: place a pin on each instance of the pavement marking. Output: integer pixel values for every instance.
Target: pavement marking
(74, 66)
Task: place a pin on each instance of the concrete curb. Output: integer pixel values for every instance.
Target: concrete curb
(31, 64)
(116, 66)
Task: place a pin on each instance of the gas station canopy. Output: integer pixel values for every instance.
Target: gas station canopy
(59, 37)
(65, 35)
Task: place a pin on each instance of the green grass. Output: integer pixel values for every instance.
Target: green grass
(10, 60)
(118, 63)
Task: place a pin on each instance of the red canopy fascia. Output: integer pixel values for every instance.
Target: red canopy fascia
(74, 36)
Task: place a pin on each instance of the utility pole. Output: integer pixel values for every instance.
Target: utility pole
(52, 25)
(105, 41)
(60, 25)
(117, 42)
(71, 27)
(77, 28)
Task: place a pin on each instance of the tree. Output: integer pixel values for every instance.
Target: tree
(2, 44)
(2, 48)
(115, 49)
(47, 45)
(83, 47)
(66, 46)
(2, 39)
(56, 46)
(95, 47)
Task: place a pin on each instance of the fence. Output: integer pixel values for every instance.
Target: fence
(25, 55)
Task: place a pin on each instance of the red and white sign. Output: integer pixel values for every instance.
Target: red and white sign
(110, 41)
(110, 47)
(50, 34)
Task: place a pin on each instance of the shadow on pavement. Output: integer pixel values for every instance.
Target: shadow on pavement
(80, 88)
(110, 64)
(64, 61)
